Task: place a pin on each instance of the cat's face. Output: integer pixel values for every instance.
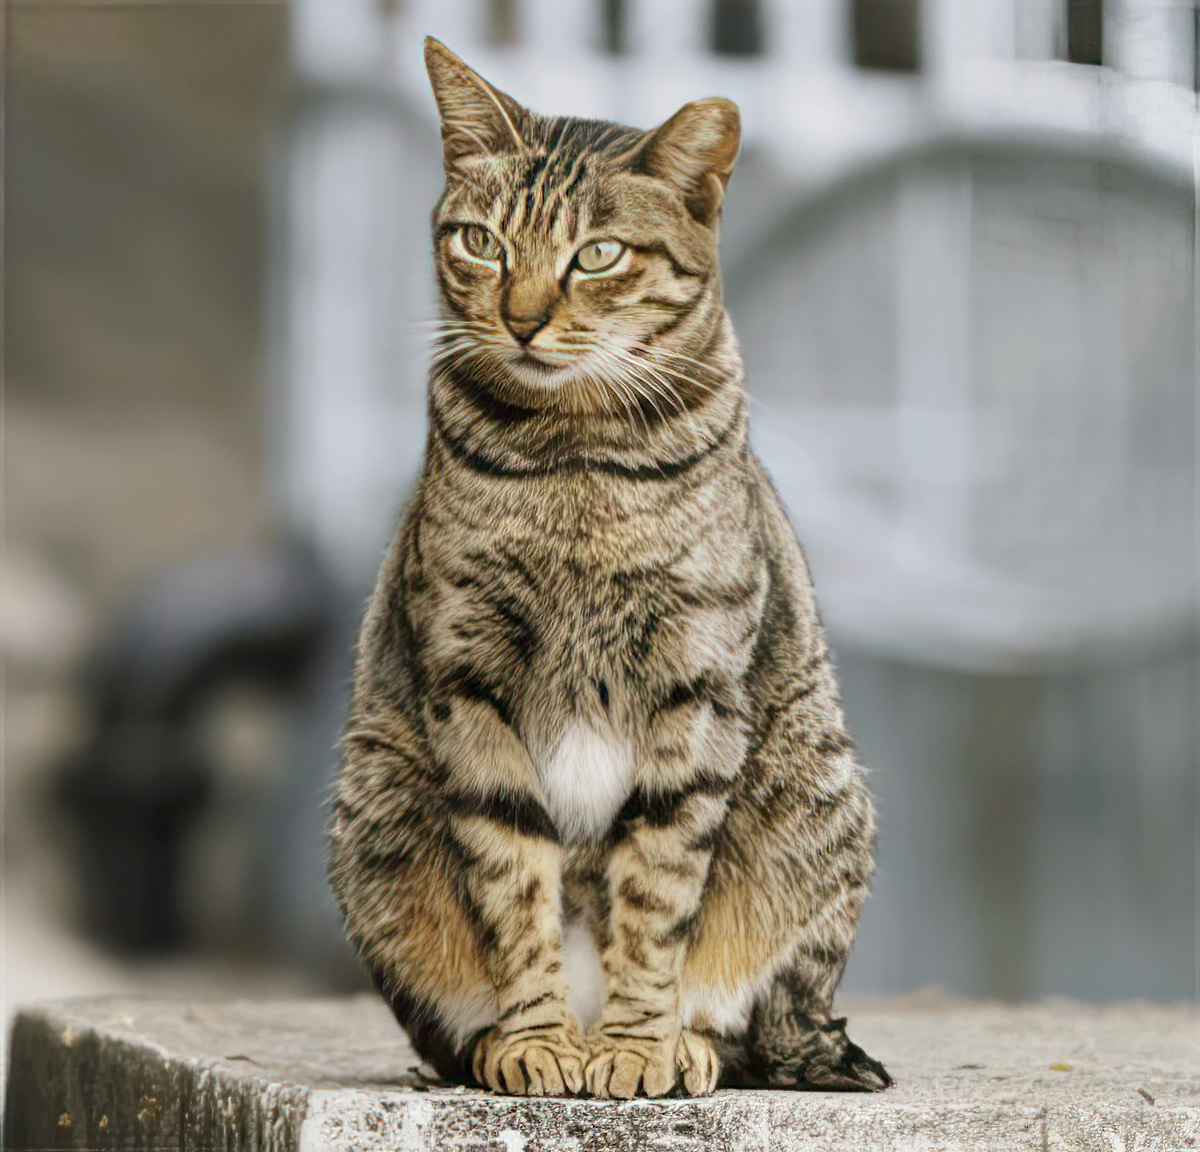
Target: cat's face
(577, 259)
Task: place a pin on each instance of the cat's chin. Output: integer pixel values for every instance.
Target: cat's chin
(571, 387)
(565, 387)
(538, 374)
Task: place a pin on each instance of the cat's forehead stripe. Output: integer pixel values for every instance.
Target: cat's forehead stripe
(545, 181)
(566, 183)
(513, 216)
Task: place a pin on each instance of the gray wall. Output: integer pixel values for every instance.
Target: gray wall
(1037, 832)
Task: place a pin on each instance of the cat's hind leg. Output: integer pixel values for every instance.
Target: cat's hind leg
(788, 877)
(393, 877)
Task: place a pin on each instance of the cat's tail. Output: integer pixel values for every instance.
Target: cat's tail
(791, 1044)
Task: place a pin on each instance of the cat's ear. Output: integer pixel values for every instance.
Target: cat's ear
(477, 119)
(695, 151)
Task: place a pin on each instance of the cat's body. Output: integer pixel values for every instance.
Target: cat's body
(596, 765)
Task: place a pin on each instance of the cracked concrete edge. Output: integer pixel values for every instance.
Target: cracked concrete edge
(81, 1089)
(340, 1121)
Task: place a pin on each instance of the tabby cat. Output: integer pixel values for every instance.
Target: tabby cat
(599, 827)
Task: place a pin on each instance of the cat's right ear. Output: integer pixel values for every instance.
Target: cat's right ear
(477, 119)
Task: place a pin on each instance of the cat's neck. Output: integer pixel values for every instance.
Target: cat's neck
(495, 435)
(605, 501)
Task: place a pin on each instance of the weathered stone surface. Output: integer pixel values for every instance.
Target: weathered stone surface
(337, 1075)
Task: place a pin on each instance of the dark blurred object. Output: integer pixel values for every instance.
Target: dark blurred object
(140, 782)
(503, 30)
(614, 21)
(886, 35)
(737, 28)
(1085, 31)
(1196, 48)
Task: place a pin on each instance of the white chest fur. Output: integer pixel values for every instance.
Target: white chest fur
(586, 778)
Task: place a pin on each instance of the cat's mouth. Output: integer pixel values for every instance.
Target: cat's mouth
(528, 359)
(541, 370)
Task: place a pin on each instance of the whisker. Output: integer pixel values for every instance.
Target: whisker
(649, 376)
(612, 373)
(716, 375)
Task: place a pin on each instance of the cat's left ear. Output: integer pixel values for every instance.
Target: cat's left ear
(695, 151)
(477, 119)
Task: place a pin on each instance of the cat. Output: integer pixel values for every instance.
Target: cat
(599, 826)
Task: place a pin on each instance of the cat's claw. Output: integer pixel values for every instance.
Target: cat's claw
(697, 1059)
(525, 1065)
(619, 1068)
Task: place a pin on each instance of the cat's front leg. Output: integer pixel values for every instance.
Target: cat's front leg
(536, 1046)
(657, 867)
(512, 876)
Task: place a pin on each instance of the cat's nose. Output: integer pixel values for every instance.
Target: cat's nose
(524, 328)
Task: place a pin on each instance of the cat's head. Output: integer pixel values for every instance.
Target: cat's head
(577, 259)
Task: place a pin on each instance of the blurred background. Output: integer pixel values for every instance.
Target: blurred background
(960, 253)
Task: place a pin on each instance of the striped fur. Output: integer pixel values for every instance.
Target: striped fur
(593, 699)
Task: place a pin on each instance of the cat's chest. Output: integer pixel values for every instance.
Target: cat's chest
(586, 773)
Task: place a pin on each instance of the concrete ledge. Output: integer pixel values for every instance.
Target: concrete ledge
(337, 1075)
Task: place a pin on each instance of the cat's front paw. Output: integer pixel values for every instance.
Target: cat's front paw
(541, 1063)
(621, 1065)
(696, 1058)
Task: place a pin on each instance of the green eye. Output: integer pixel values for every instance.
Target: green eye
(599, 257)
(480, 243)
